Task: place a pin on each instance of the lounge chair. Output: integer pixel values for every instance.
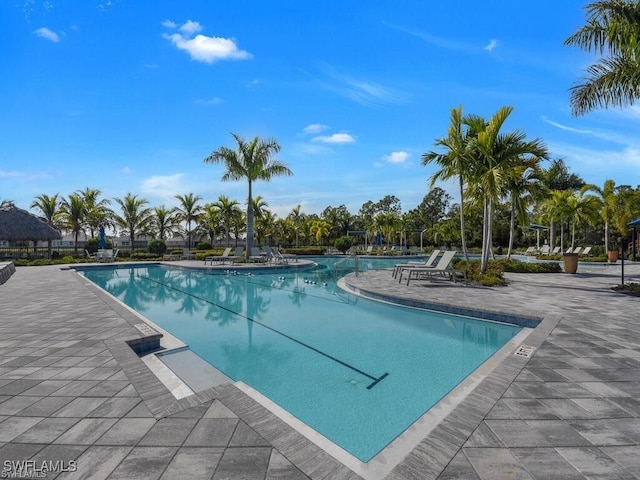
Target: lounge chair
(569, 250)
(285, 256)
(555, 250)
(237, 255)
(545, 250)
(441, 268)
(256, 256)
(187, 255)
(530, 251)
(271, 255)
(443, 262)
(429, 262)
(91, 256)
(586, 251)
(218, 258)
(577, 250)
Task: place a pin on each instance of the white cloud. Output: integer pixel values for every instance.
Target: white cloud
(335, 138)
(491, 45)
(314, 128)
(9, 174)
(126, 170)
(564, 127)
(396, 157)
(190, 27)
(48, 34)
(210, 101)
(364, 92)
(165, 187)
(201, 47)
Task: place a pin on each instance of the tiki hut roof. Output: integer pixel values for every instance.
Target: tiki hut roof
(17, 224)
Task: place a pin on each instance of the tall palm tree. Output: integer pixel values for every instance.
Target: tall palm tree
(136, 217)
(73, 214)
(495, 154)
(265, 226)
(98, 211)
(50, 209)
(388, 223)
(163, 221)
(613, 30)
(188, 211)
(251, 161)
(608, 204)
(581, 209)
(296, 216)
(454, 162)
(228, 211)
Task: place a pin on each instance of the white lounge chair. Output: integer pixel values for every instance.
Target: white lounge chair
(218, 258)
(285, 256)
(569, 250)
(577, 250)
(442, 268)
(545, 250)
(555, 250)
(586, 251)
(414, 272)
(530, 251)
(429, 262)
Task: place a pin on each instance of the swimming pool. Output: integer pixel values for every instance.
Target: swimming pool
(357, 371)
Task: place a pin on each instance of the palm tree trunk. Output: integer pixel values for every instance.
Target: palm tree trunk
(486, 236)
(512, 227)
(606, 236)
(462, 236)
(249, 223)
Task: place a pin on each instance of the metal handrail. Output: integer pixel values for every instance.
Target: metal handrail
(337, 266)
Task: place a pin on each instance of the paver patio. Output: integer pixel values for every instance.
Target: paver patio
(72, 391)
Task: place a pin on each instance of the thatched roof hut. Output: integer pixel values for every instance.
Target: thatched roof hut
(17, 224)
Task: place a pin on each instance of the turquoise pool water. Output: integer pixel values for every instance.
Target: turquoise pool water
(357, 371)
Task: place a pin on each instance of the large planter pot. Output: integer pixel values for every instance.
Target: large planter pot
(612, 255)
(570, 262)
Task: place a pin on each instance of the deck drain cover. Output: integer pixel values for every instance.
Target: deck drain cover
(524, 351)
(145, 329)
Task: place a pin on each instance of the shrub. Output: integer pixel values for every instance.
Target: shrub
(93, 244)
(305, 250)
(143, 256)
(343, 243)
(203, 246)
(516, 266)
(158, 247)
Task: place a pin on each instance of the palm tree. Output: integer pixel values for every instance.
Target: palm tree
(388, 223)
(454, 162)
(50, 208)
(163, 221)
(188, 211)
(210, 221)
(612, 28)
(251, 161)
(296, 216)
(581, 209)
(265, 226)
(136, 218)
(98, 212)
(320, 229)
(608, 205)
(73, 214)
(523, 185)
(228, 211)
(259, 206)
(495, 154)
(555, 209)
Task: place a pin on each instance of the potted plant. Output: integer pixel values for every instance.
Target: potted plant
(612, 253)
(570, 261)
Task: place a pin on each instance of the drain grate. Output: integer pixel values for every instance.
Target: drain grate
(524, 351)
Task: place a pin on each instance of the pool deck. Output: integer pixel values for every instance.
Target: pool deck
(72, 390)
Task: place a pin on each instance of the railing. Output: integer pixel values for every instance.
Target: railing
(341, 265)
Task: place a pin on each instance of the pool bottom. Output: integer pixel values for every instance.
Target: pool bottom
(391, 455)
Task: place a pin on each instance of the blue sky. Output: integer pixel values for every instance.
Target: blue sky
(131, 96)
